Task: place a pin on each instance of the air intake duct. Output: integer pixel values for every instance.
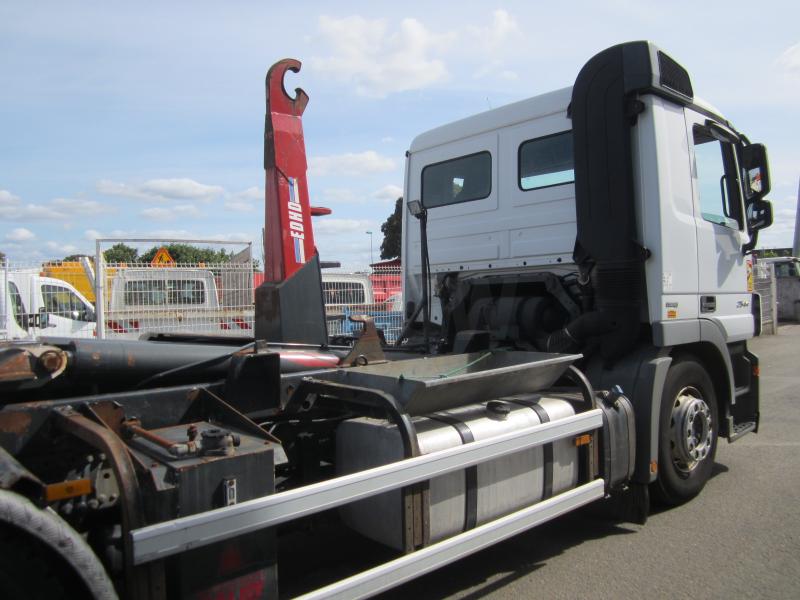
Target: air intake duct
(604, 111)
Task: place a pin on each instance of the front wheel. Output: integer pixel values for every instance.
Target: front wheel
(688, 431)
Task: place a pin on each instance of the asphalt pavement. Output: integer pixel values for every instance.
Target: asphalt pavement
(739, 539)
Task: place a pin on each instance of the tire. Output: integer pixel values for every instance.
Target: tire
(42, 555)
(688, 431)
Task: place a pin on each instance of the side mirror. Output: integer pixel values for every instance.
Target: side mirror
(75, 315)
(43, 320)
(756, 172)
(759, 216)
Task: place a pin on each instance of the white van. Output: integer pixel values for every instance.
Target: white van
(346, 290)
(32, 305)
(162, 300)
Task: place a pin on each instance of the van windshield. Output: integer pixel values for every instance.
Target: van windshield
(64, 302)
(17, 305)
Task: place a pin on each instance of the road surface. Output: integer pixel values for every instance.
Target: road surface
(739, 539)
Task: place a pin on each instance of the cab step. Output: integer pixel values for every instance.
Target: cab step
(740, 429)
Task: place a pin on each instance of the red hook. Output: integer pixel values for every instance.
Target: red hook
(277, 98)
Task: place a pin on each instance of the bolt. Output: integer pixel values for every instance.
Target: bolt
(51, 361)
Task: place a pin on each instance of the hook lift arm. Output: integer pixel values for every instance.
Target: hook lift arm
(289, 305)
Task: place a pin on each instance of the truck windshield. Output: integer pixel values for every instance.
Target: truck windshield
(787, 269)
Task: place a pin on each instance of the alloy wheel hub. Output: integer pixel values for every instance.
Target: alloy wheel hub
(691, 429)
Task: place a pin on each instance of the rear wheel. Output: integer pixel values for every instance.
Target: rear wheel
(688, 431)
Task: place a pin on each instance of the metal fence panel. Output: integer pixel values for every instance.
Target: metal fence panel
(376, 293)
(764, 285)
(210, 299)
(62, 298)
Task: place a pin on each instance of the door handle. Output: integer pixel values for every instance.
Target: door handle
(708, 304)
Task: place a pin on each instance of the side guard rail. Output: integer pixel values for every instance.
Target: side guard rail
(172, 537)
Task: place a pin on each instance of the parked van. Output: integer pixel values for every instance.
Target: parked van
(346, 289)
(32, 305)
(160, 300)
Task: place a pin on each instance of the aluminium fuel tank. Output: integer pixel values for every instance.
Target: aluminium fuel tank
(463, 499)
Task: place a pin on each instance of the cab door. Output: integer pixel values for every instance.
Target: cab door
(723, 294)
(68, 314)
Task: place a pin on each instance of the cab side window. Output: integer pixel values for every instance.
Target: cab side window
(457, 180)
(717, 184)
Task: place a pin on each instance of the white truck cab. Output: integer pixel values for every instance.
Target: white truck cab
(613, 218)
(34, 305)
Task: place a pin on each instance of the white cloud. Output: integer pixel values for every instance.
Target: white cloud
(329, 226)
(73, 207)
(790, 58)
(62, 248)
(13, 209)
(20, 234)
(380, 59)
(499, 35)
(92, 234)
(179, 211)
(340, 196)
(240, 207)
(388, 192)
(351, 164)
(8, 199)
(251, 193)
(154, 190)
(245, 201)
(493, 44)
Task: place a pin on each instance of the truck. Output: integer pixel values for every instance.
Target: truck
(577, 316)
(32, 304)
(165, 299)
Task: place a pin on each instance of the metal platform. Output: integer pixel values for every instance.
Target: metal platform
(418, 384)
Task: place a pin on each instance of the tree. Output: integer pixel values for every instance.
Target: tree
(188, 254)
(2, 257)
(392, 230)
(120, 253)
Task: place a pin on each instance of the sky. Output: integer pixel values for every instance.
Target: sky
(146, 119)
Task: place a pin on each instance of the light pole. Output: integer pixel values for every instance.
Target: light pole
(369, 233)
